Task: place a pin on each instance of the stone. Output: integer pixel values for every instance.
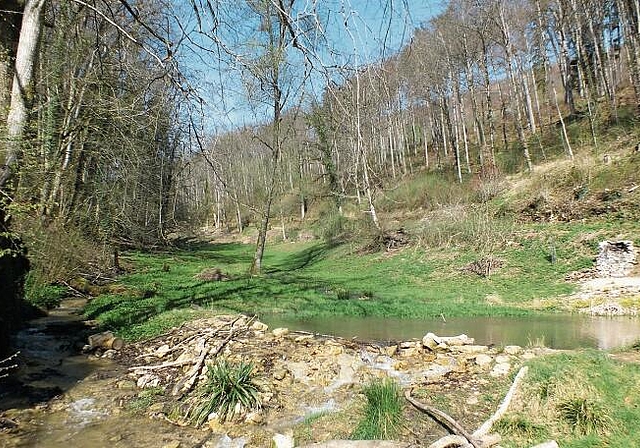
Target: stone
(483, 360)
(283, 441)
(156, 408)
(472, 401)
(528, 355)
(259, 326)
(162, 351)
(513, 349)
(279, 374)
(280, 332)
(462, 339)
(445, 360)
(503, 359)
(470, 349)
(334, 350)
(148, 380)
(615, 258)
(254, 418)
(110, 354)
(431, 341)
(174, 444)
(126, 385)
(549, 444)
(500, 370)
(390, 350)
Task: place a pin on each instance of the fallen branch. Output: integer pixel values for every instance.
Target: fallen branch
(443, 419)
(486, 426)
(450, 441)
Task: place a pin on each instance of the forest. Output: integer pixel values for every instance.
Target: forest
(166, 160)
(112, 140)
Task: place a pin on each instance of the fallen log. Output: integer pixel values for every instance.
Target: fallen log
(486, 426)
(443, 419)
(106, 340)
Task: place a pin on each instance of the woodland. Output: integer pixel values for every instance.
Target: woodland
(126, 123)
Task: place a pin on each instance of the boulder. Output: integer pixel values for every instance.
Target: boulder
(280, 332)
(513, 349)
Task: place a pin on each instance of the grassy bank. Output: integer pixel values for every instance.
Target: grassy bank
(316, 280)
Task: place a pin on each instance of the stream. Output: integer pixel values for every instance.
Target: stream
(563, 332)
(61, 398)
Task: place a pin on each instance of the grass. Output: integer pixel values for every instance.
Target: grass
(382, 413)
(305, 280)
(583, 399)
(229, 390)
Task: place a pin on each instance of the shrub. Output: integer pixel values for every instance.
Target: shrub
(382, 413)
(228, 390)
(41, 294)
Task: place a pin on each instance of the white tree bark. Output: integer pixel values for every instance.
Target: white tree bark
(22, 87)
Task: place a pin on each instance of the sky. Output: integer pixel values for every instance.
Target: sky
(360, 32)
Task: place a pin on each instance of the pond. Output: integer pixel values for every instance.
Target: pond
(554, 331)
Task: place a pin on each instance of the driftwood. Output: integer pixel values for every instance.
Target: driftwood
(443, 419)
(460, 437)
(105, 340)
(486, 426)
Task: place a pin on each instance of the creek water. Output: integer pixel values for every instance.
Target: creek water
(554, 331)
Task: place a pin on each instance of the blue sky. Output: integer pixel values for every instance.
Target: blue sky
(359, 32)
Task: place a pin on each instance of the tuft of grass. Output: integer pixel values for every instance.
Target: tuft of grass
(383, 412)
(145, 399)
(585, 415)
(520, 426)
(229, 390)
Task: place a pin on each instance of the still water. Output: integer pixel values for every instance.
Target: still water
(557, 331)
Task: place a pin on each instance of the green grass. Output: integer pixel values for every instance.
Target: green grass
(382, 413)
(305, 280)
(580, 399)
(229, 389)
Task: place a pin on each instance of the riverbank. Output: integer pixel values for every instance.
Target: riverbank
(310, 389)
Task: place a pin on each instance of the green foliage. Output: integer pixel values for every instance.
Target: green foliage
(382, 413)
(229, 389)
(41, 294)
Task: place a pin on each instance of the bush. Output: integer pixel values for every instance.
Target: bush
(585, 415)
(229, 389)
(382, 413)
(41, 294)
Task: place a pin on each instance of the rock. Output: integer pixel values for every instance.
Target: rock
(279, 374)
(500, 370)
(462, 339)
(334, 350)
(303, 338)
(472, 401)
(549, 444)
(280, 332)
(390, 350)
(431, 341)
(110, 354)
(126, 385)
(148, 380)
(408, 352)
(174, 444)
(254, 418)
(513, 349)
(445, 360)
(259, 326)
(483, 360)
(162, 351)
(156, 408)
(528, 355)
(470, 349)
(615, 259)
(283, 441)
(503, 359)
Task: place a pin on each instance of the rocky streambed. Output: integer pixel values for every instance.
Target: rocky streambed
(139, 396)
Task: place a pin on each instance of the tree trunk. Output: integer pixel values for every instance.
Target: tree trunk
(22, 87)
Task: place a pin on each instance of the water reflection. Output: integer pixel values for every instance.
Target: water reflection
(560, 332)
